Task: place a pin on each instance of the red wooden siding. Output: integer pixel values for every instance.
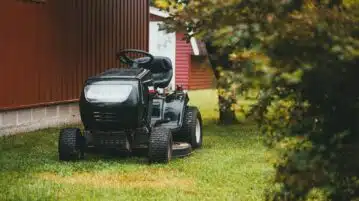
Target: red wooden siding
(48, 50)
(193, 72)
(183, 59)
(155, 18)
(201, 74)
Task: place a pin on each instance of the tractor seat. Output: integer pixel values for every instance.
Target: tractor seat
(162, 71)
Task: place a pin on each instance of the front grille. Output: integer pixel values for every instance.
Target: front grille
(105, 116)
(111, 139)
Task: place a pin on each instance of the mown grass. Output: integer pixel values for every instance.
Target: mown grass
(230, 166)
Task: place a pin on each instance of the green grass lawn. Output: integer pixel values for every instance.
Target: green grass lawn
(230, 166)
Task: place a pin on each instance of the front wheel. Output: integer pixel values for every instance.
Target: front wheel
(71, 144)
(160, 145)
(191, 130)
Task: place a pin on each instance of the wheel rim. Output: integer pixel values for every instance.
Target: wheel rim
(198, 131)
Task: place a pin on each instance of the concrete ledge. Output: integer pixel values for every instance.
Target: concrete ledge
(26, 120)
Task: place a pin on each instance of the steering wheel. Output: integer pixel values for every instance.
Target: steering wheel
(135, 62)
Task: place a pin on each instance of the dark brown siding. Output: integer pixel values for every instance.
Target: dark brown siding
(201, 75)
(48, 50)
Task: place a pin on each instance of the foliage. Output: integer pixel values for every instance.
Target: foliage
(303, 57)
(152, 3)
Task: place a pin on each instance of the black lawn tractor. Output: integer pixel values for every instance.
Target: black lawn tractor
(126, 109)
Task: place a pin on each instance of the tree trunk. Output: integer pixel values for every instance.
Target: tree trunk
(227, 115)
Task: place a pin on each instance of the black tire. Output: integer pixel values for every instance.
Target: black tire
(187, 132)
(71, 144)
(160, 145)
(181, 149)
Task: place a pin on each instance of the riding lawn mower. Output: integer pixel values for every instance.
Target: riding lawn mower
(126, 109)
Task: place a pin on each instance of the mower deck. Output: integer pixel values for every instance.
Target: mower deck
(179, 150)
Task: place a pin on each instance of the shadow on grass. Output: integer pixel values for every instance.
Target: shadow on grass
(37, 151)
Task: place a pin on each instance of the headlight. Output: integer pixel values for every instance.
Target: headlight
(107, 93)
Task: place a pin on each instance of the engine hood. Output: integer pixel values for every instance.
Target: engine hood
(116, 99)
(121, 73)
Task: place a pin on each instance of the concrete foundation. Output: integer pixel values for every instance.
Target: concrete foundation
(25, 120)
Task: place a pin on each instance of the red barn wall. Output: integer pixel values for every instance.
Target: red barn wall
(183, 60)
(48, 49)
(155, 18)
(193, 72)
(201, 75)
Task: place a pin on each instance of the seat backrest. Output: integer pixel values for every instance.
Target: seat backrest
(162, 71)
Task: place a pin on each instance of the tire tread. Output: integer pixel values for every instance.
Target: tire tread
(68, 145)
(158, 145)
(188, 130)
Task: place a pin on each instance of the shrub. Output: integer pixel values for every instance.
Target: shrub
(303, 57)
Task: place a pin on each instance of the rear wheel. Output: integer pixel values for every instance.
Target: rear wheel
(71, 144)
(191, 130)
(160, 145)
